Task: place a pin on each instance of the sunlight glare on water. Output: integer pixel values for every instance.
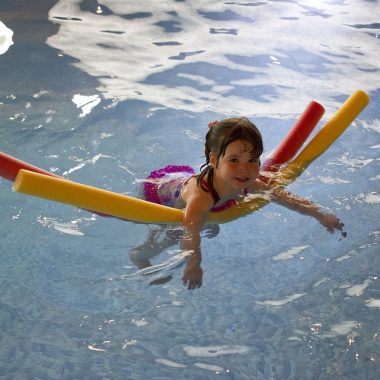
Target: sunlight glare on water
(230, 58)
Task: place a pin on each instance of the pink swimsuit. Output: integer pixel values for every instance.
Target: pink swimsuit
(159, 188)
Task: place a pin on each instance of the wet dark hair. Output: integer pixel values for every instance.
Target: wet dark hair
(220, 135)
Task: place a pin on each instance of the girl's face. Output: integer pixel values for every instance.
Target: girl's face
(236, 170)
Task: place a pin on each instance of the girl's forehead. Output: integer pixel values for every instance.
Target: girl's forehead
(239, 146)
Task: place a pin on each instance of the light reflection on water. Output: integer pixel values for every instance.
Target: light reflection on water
(235, 57)
(121, 88)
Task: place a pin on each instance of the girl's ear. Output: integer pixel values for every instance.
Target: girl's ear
(213, 160)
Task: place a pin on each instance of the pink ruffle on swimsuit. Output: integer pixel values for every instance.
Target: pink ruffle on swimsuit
(180, 173)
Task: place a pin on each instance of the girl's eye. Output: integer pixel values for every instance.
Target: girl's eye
(253, 160)
(234, 160)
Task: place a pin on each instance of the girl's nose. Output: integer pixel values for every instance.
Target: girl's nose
(247, 168)
(244, 168)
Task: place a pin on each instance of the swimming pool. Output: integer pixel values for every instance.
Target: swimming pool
(102, 92)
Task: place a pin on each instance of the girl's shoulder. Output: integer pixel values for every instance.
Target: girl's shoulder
(193, 193)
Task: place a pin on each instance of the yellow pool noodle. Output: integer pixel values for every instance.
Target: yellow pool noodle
(138, 210)
(346, 114)
(94, 199)
(114, 204)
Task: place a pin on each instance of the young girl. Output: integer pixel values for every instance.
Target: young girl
(233, 148)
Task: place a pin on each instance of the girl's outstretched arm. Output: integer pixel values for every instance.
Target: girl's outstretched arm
(307, 207)
(303, 206)
(191, 243)
(195, 216)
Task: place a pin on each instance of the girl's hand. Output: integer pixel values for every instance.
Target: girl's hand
(332, 223)
(192, 276)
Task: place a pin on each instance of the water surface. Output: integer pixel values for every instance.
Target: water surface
(103, 93)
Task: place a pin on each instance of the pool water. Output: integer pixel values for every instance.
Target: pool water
(103, 92)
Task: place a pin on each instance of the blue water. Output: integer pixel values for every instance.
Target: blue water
(103, 92)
